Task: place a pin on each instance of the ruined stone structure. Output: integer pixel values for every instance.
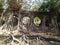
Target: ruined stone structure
(49, 22)
(39, 26)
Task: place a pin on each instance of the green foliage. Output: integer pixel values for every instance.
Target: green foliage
(50, 5)
(45, 6)
(1, 5)
(36, 19)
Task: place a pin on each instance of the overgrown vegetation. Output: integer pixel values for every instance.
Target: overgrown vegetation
(30, 5)
(50, 5)
(37, 21)
(1, 4)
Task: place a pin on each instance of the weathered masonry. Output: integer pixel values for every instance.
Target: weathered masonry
(48, 22)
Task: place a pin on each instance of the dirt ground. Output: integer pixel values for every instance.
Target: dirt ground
(32, 42)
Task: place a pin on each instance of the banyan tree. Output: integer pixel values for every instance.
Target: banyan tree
(33, 18)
